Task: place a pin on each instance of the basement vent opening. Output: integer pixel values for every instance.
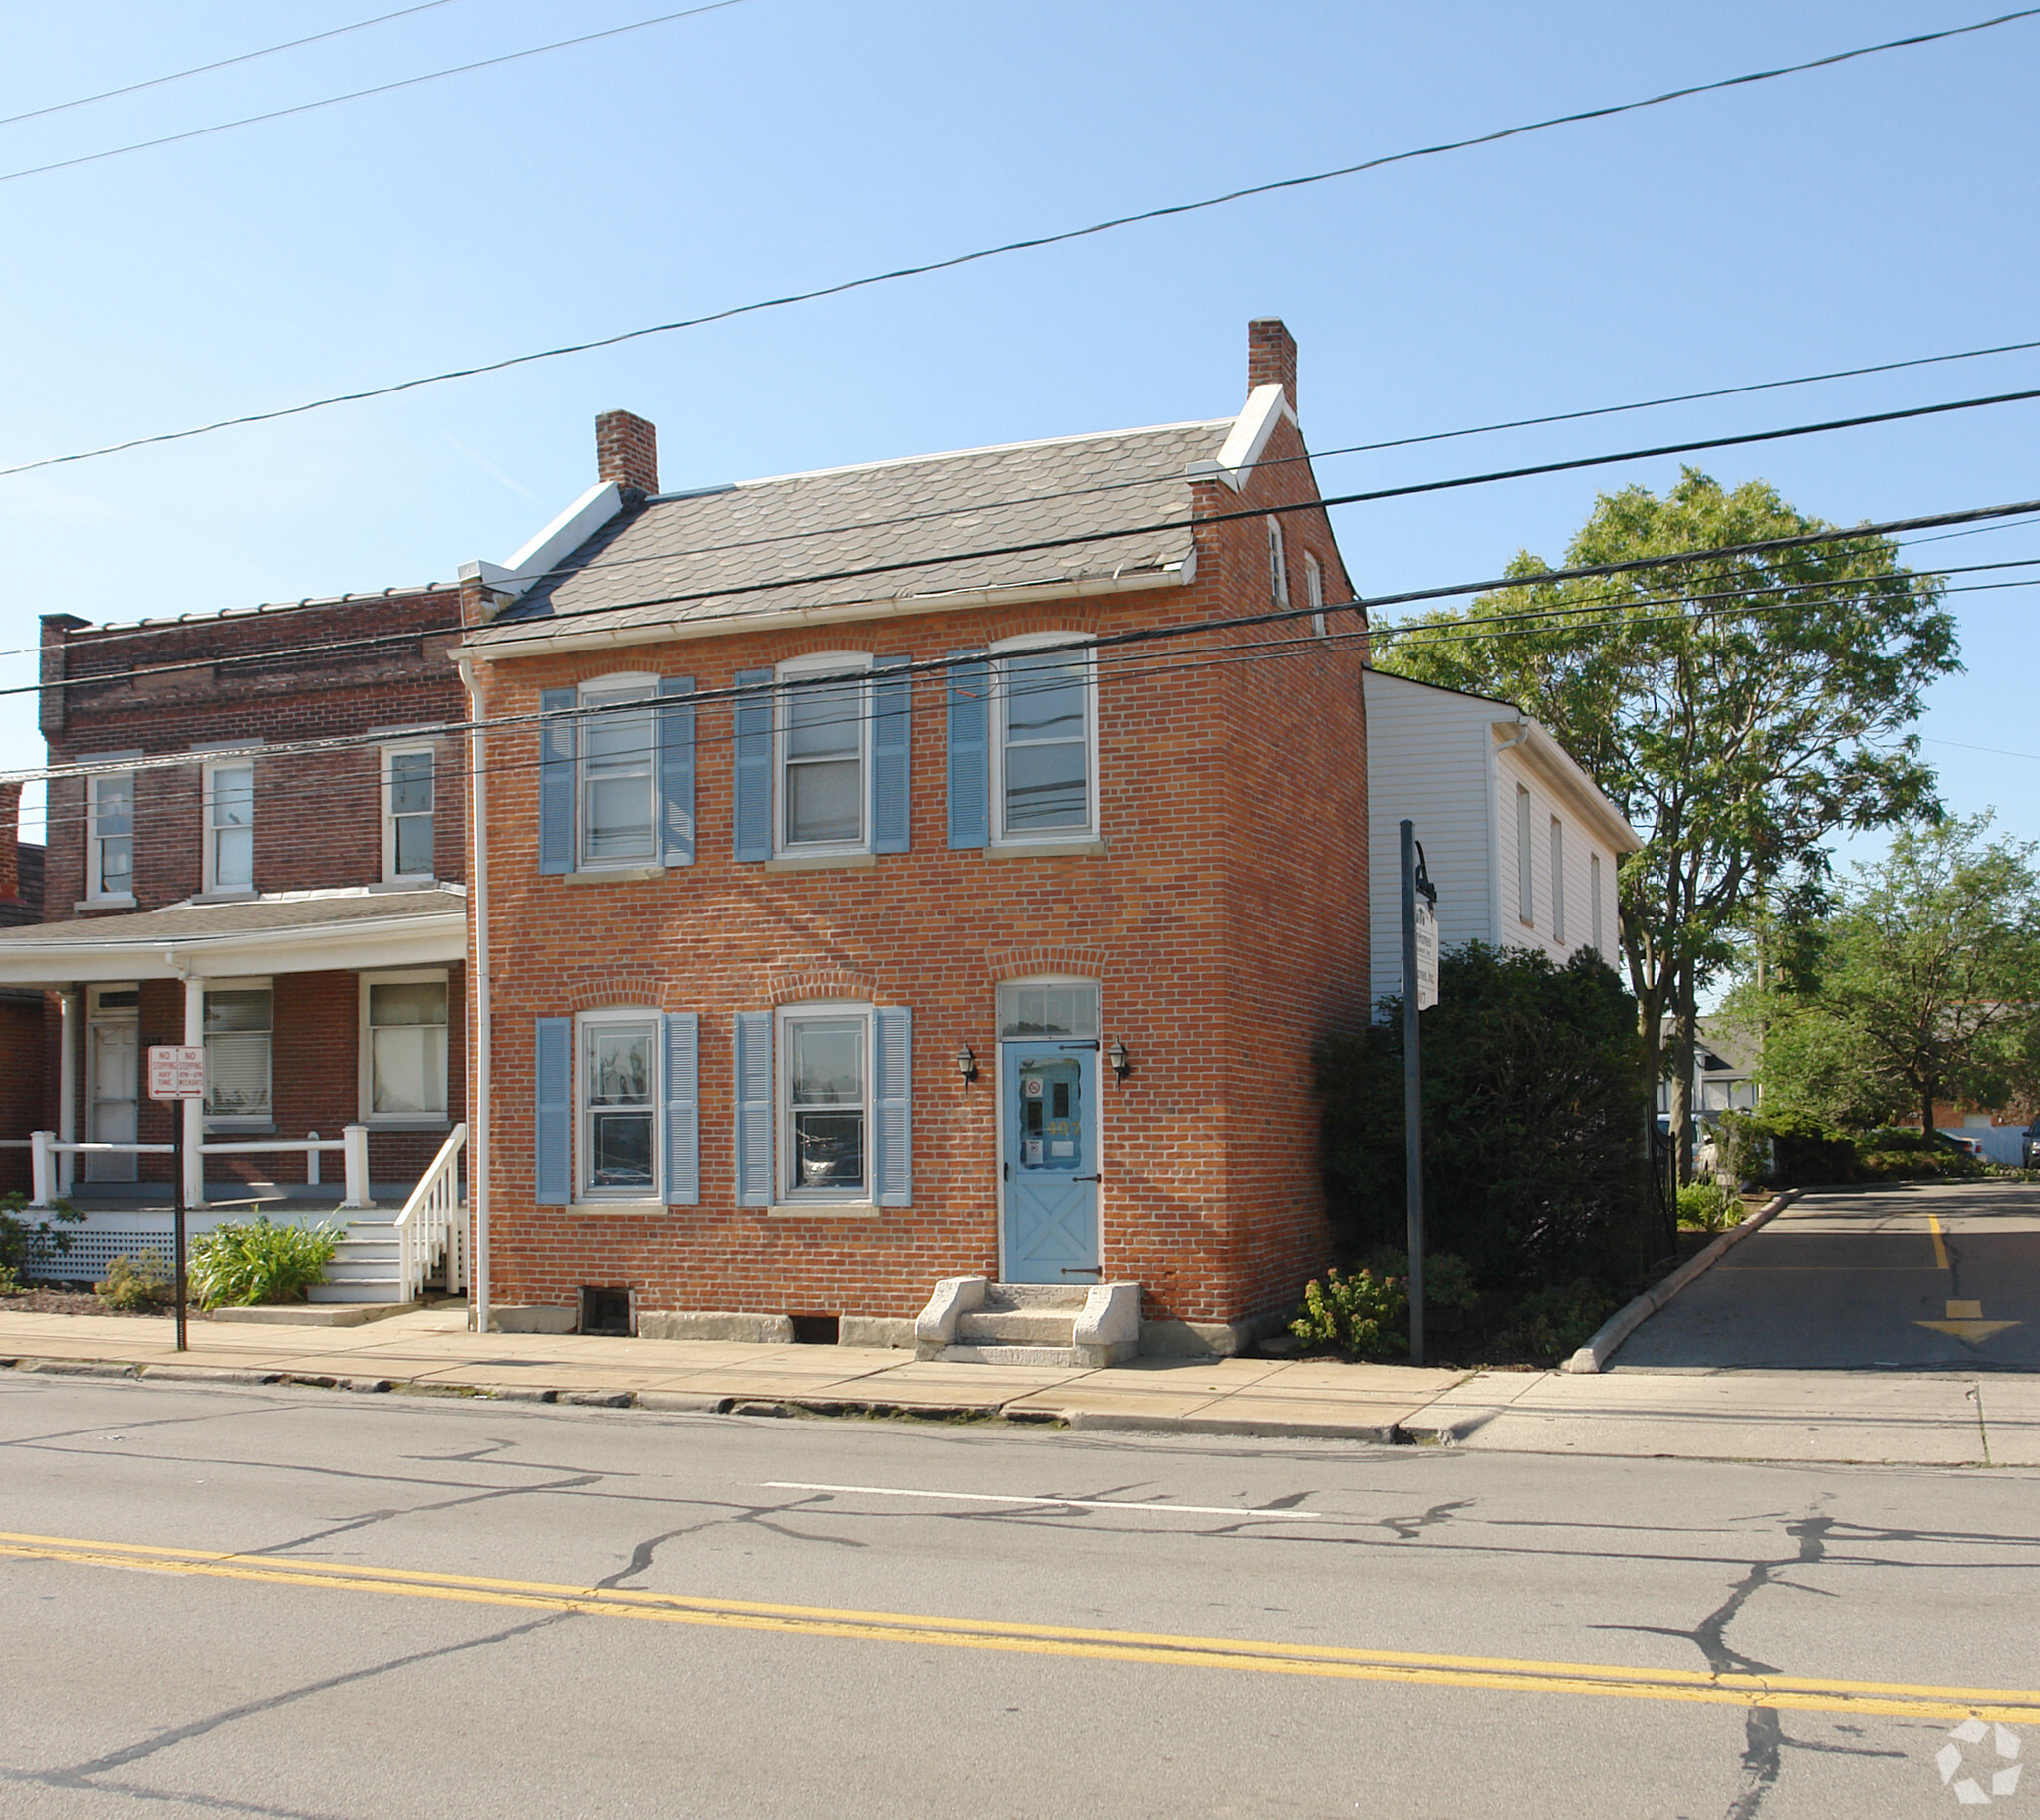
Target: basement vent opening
(605, 1311)
(816, 1330)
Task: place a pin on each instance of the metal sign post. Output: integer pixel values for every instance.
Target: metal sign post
(1419, 992)
(176, 1073)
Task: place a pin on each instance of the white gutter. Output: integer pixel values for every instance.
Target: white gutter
(779, 619)
(478, 1042)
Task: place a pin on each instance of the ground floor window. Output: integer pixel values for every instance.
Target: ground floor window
(1048, 1007)
(404, 1046)
(618, 1094)
(239, 1021)
(825, 1110)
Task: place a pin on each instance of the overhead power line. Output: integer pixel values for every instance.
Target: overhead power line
(1144, 635)
(1031, 243)
(224, 63)
(334, 101)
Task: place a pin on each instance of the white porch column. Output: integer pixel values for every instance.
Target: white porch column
(67, 1089)
(194, 1109)
(356, 1158)
(39, 1166)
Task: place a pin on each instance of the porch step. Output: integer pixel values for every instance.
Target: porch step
(1018, 1327)
(970, 1321)
(1066, 1356)
(1067, 1297)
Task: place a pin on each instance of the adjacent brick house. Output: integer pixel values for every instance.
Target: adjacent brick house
(299, 912)
(908, 871)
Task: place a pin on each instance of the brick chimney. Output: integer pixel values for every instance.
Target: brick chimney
(626, 450)
(1271, 356)
(10, 840)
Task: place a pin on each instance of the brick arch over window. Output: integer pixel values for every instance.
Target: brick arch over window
(789, 987)
(1025, 963)
(605, 991)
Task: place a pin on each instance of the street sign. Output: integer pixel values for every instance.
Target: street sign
(177, 1071)
(1427, 954)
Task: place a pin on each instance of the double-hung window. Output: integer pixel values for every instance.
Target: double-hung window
(1278, 565)
(404, 1046)
(1526, 908)
(618, 1100)
(1558, 880)
(822, 736)
(823, 1093)
(1314, 591)
(109, 850)
(409, 787)
(617, 1112)
(618, 759)
(239, 1019)
(1045, 741)
(230, 826)
(825, 1107)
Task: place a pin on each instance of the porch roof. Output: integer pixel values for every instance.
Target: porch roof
(287, 932)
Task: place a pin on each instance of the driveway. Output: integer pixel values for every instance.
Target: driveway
(1921, 1277)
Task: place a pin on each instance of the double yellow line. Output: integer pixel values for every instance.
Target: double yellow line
(1605, 1680)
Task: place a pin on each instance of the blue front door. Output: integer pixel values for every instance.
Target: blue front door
(1048, 1126)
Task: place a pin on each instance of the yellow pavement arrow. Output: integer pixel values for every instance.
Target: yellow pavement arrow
(1965, 1320)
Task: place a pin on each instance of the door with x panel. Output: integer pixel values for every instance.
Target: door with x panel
(1048, 1135)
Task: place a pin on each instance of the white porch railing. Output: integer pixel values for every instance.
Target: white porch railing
(434, 1222)
(46, 1146)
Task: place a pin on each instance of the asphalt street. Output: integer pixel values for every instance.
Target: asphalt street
(300, 1603)
(1925, 1276)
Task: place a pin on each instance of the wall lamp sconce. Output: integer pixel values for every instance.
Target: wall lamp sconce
(966, 1062)
(1121, 1062)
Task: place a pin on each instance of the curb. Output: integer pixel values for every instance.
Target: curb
(1594, 1354)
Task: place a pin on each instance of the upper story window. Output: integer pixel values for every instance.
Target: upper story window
(1594, 900)
(618, 761)
(1314, 591)
(408, 790)
(1045, 740)
(1558, 880)
(109, 848)
(1526, 910)
(822, 735)
(230, 826)
(239, 1020)
(1278, 565)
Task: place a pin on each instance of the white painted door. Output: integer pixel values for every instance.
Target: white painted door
(113, 1064)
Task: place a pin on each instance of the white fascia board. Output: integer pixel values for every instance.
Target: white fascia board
(566, 533)
(409, 942)
(1266, 407)
(1561, 771)
(783, 618)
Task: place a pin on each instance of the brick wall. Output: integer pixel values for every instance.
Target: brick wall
(1226, 925)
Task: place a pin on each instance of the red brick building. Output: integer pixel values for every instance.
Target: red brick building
(935, 869)
(256, 842)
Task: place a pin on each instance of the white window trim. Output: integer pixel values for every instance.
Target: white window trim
(583, 693)
(785, 1195)
(850, 665)
(94, 885)
(1558, 881)
(1053, 982)
(1314, 593)
(406, 749)
(583, 1139)
(244, 761)
(1278, 565)
(1044, 837)
(233, 1122)
(1594, 893)
(1526, 903)
(365, 1067)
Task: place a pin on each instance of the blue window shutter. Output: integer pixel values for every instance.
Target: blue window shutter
(556, 781)
(753, 716)
(676, 770)
(683, 1109)
(891, 755)
(892, 1108)
(754, 1109)
(969, 761)
(552, 1156)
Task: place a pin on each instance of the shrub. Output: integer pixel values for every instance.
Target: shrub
(1447, 1283)
(133, 1284)
(1364, 1314)
(32, 1236)
(1553, 1323)
(1534, 1121)
(240, 1266)
(1707, 1206)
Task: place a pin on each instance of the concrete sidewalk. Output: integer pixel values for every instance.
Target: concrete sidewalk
(1931, 1419)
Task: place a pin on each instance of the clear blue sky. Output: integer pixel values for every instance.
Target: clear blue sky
(1875, 211)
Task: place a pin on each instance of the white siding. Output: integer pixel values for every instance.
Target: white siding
(1511, 771)
(1426, 761)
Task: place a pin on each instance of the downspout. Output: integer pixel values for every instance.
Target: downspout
(1494, 834)
(478, 1040)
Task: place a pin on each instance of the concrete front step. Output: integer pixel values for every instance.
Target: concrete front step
(1018, 1327)
(1066, 1356)
(358, 1289)
(1036, 1297)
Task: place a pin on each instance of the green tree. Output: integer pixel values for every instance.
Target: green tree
(1739, 709)
(1929, 984)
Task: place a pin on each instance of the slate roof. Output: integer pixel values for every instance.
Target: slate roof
(257, 916)
(718, 546)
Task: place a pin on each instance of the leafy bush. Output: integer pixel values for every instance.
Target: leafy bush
(1791, 1149)
(1553, 1323)
(1364, 1314)
(30, 1237)
(134, 1284)
(10, 1284)
(1534, 1121)
(1707, 1206)
(240, 1266)
(1447, 1283)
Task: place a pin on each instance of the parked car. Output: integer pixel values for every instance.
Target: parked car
(2029, 1150)
(1958, 1141)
